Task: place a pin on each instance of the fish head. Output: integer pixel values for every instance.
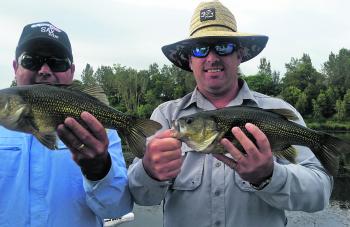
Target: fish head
(198, 132)
(11, 110)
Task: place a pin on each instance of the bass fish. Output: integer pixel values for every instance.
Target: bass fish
(38, 109)
(203, 131)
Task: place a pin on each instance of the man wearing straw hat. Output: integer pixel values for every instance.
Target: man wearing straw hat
(236, 190)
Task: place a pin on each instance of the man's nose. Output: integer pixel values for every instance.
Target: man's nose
(45, 69)
(212, 56)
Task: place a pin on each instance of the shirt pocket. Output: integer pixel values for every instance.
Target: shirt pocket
(191, 173)
(10, 155)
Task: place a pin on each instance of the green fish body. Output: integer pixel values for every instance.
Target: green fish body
(39, 109)
(203, 131)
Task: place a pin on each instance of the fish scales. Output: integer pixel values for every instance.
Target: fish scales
(277, 125)
(38, 109)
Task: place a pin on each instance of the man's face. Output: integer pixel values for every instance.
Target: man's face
(216, 75)
(44, 70)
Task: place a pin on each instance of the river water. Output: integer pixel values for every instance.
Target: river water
(337, 214)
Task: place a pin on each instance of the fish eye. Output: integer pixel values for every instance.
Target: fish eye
(189, 120)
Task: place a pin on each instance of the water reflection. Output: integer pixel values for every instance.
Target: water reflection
(342, 181)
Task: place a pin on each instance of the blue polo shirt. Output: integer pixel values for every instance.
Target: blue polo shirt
(41, 187)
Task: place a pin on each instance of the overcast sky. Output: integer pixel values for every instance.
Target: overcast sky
(131, 32)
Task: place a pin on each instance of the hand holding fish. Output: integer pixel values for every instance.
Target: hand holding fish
(162, 159)
(88, 145)
(257, 164)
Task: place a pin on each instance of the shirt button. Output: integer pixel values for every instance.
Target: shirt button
(217, 193)
(217, 223)
(218, 164)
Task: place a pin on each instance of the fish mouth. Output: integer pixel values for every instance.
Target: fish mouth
(175, 129)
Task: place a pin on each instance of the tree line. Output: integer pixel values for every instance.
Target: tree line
(316, 95)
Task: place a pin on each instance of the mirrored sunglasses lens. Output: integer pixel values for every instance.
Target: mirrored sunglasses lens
(225, 48)
(29, 62)
(58, 65)
(200, 52)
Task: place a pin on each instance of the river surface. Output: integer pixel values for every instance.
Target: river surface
(337, 214)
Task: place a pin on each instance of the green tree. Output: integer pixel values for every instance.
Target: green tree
(341, 110)
(87, 76)
(265, 81)
(324, 104)
(317, 115)
(291, 94)
(337, 71)
(300, 73)
(302, 104)
(346, 102)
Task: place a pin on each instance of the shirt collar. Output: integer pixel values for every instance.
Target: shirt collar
(244, 97)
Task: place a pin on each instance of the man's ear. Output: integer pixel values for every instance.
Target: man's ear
(240, 55)
(190, 62)
(15, 65)
(72, 69)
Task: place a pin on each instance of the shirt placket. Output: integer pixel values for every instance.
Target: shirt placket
(38, 185)
(218, 194)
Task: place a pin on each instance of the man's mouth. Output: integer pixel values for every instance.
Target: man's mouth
(214, 70)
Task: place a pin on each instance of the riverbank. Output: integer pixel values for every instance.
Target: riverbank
(329, 125)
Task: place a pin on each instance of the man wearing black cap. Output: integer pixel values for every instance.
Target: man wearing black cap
(223, 190)
(85, 180)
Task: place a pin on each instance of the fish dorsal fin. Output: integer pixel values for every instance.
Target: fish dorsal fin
(288, 153)
(94, 90)
(287, 113)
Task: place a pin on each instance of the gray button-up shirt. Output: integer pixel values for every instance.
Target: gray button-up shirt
(209, 193)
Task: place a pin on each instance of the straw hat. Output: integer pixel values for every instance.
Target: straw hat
(213, 22)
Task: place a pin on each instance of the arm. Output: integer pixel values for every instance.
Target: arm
(110, 196)
(304, 186)
(150, 176)
(102, 164)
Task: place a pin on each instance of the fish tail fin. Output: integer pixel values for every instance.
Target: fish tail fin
(329, 152)
(136, 134)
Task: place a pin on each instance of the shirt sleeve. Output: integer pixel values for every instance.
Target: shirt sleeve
(110, 197)
(144, 189)
(305, 186)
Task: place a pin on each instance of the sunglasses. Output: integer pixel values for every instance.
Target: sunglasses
(221, 49)
(35, 62)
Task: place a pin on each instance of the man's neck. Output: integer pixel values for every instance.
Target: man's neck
(221, 100)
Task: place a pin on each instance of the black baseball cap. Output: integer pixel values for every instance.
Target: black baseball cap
(44, 35)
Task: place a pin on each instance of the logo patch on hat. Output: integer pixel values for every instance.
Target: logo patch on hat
(47, 28)
(207, 14)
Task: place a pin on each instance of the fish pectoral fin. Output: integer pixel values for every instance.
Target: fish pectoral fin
(289, 153)
(47, 139)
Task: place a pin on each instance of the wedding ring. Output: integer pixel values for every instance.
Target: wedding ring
(81, 147)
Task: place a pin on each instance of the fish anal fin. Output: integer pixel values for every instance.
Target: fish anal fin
(288, 153)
